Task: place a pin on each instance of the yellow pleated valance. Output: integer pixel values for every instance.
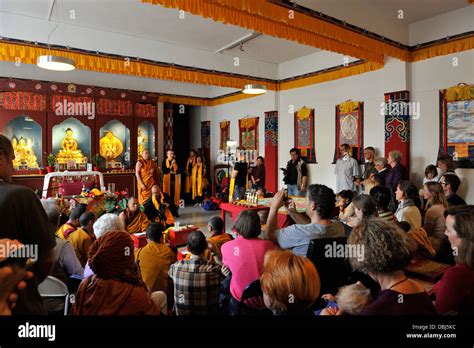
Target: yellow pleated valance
(442, 49)
(248, 122)
(461, 91)
(348, 106)
(231, 13)
(303, 113)
(29, 54)
(224, 124)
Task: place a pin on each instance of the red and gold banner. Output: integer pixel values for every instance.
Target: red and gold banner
(304, 134)
(248, 133)
(225, 134)
(397, 125)
(20, 100)
(271, 151)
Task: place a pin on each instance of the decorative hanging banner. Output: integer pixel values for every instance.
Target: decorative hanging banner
(19, 100)
(248, 133)
(349, 128)
(397, 125)
(271, 151)
(168, 121)
(206, 142)
(304, 134)
(456, 124)
(225, 134)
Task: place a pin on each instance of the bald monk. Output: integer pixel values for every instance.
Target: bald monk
(134, 219)
(71, 225)
(153, 207)
(155, 259)
(147, 173)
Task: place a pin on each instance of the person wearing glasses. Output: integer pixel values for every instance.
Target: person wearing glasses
(450, 183)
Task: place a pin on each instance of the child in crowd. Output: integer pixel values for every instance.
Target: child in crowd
(431, 174)
(344, 202)
(350, 299)
(263, 215)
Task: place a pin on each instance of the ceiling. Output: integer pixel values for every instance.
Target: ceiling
(381, 16)
(131, 28)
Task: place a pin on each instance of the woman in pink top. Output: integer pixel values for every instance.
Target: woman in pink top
(455, 291)
(244, 255)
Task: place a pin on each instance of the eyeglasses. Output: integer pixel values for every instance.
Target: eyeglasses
(442, 183)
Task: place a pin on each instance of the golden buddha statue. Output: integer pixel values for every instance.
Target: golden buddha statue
(110, 147)
(142, 140)
(24, 154)
(70, 151)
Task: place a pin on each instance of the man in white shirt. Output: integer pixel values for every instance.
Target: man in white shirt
(347, 169)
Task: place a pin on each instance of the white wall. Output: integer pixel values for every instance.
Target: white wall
(438, 27)
(427, 78)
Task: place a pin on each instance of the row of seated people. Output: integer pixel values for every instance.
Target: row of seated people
(289, 281)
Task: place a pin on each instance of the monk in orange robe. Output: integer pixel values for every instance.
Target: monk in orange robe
(198, 181)
(189, 171)
(147, 173)
(157, 204)
(134, 219)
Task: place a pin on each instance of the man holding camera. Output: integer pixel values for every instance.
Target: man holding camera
(296, 174)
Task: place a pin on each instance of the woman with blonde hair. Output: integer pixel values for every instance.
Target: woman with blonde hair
(435, 223)
(290, 283)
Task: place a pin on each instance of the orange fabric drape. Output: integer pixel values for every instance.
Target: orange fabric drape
(442, 49)
(84, 61)
(197, 180)
(147, 173)
(231, 12)
(139, 223)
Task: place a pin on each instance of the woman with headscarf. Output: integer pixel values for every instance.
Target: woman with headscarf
(116, 288)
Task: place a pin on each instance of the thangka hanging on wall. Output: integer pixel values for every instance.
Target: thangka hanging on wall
(456, 117)
(349, 128)
(225, 134)
(304, 134)
(248, 133)
(206, 140)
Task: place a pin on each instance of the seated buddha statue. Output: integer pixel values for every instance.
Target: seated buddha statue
(24, 154)
(70, 151)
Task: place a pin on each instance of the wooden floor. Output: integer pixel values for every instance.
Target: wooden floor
(191, 215)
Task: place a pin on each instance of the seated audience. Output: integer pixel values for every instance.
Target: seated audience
(218, 236)
(364, 209)
(382, 170)
(82, 239)
(72, 223)
(290, 283)
(65, 261)
(369, 184)
(446, 165)
(407, 211)
(382, 197)
(157, 209)
(263, 215)
(344, 202)
(196, 281)
(244, 255)
(116, 287)
(106, 223)
(455, 291)
(431, 174)
(434, 223)
(319, 208)
(155, 258)
(12, 278)
(397, 170)
(134, 219)
(350, 299)
(450, 183)
(387, 251)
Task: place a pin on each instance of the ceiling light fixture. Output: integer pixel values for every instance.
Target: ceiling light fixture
(254, 89)
(56, 63)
